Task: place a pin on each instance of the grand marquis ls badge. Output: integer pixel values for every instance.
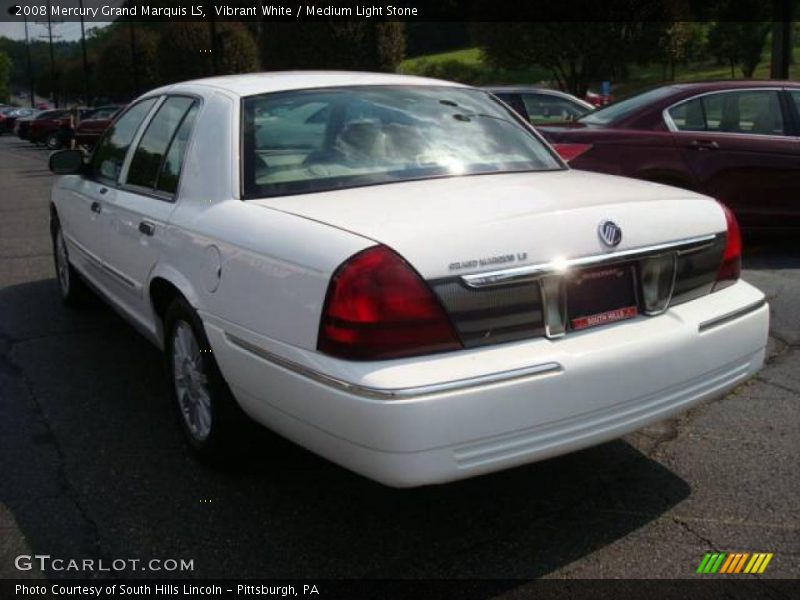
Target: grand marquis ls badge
(610, 233)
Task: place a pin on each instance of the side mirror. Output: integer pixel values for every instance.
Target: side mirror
(66, 162)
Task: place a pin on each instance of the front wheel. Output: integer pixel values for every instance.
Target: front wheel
(210, 417)
(53, 141)
(71, 287)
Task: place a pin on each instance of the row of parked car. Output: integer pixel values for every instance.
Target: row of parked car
(737, 141)
(55, 128)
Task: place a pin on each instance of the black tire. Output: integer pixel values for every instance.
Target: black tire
(70, 285)
(228, 428)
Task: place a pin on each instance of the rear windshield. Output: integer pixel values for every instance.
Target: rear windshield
(319, 140)
(619, 110)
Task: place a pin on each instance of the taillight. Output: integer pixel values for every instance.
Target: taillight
(379, 307)
(731, 266)
(570, 152)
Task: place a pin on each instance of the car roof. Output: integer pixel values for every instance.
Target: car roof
(724, 84)
(51, 111)
(520, 88)
(261, 83)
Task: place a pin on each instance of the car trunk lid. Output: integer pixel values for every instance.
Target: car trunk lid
(478, 223)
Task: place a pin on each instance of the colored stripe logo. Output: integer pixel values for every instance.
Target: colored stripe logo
(734, 563)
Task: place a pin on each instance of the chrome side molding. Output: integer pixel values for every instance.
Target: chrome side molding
(393, 393)
(727, 317)
(537, 271)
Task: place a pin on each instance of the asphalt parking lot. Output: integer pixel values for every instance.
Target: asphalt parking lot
(92, 463)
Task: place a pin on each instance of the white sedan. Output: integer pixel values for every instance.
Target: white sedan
(399, 274)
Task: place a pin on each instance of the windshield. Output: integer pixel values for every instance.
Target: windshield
(623, 108)
(318, 140)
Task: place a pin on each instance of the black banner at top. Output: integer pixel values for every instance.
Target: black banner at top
(399, 10)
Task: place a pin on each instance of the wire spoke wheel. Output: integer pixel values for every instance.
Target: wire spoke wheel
(191, 382)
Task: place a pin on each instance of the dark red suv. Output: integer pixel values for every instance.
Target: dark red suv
(738, 141)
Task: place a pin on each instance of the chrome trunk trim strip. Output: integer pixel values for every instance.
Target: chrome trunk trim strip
(532, 272)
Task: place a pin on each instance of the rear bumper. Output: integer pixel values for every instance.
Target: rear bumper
(458, 415)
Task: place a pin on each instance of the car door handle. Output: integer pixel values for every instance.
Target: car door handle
(703, 145)
(96, 207)
(147, 228)
(103, 190)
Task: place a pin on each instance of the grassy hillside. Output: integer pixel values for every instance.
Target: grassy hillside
(468, 66)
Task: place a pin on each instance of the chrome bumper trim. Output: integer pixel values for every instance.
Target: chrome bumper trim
(731, 316)
(532, 272)
(393, 393)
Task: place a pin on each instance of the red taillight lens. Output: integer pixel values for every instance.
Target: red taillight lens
(379, 307)
(731, 266)
(571, 151)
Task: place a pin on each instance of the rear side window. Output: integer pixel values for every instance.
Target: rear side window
(756, 112)
(149, 155)
(103, 113)
(515, 102)
(546, 108)
(795, 94)
(171, 169)
(110, 152)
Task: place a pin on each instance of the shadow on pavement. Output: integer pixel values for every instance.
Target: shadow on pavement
(771, 251)
(94, 466)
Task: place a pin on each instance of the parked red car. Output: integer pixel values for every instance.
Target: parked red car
(47, 125)
(95, 123)
(598, 100)
(51, 127)
(23, 125)
(734, 140)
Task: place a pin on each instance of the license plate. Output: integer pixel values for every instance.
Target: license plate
(599, 296)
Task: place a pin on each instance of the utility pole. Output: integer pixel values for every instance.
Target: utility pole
(212, 23)
(781, 39)
(87, 91)
(28, 56)
(30, 67)
(54, 79)
(134, 59)
(52, 56)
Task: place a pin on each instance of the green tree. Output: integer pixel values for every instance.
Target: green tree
(739, 43)
(358, 45)
(680, 42)
(5, 77)
(115, 69)
(184, 50)
(577, 53)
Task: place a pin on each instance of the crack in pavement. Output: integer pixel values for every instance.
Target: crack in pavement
(15, 341)
(779, 386)
(68, 490)
(688, 529)
(19, 256)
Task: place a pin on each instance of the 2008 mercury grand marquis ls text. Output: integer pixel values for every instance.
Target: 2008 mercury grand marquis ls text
(399, 274)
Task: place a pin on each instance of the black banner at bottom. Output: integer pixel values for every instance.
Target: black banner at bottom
(222, 589)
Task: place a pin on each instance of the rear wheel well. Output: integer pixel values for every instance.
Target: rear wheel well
(162, 293)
